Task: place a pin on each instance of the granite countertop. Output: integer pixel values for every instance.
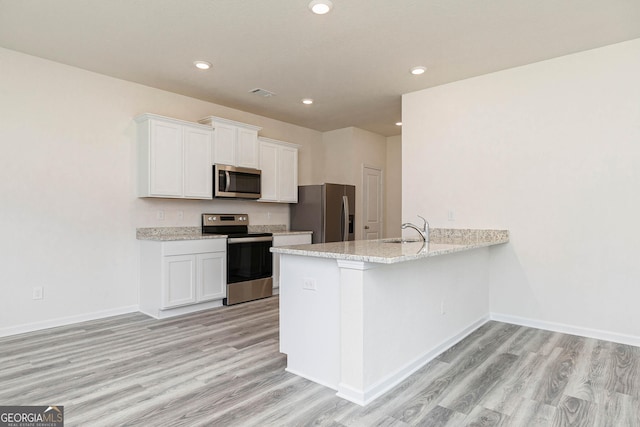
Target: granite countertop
(167, 234)
(443, 241)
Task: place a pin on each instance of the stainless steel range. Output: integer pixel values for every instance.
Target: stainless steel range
(249, 260)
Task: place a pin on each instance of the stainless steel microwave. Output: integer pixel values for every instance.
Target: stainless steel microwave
(236, 182)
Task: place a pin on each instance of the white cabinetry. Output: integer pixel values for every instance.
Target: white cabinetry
(174, 158)
(178, 277)
(235, 143)
(279, 165)
(286, 240)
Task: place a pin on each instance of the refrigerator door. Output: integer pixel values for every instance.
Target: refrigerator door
(308, 213)
(333, 212)
(350, 193)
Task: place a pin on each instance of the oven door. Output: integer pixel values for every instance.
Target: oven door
(249, 258)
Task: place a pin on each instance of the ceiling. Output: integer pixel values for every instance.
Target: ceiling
(354, 62)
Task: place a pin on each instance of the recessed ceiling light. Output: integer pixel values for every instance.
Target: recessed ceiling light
(416, 71)
(307, 101)
(320, 7)
(203, 65)
(398, 123)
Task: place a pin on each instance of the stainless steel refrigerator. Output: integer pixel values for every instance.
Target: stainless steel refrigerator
(328, 210)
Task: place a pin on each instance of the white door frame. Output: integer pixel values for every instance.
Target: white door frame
(366, 166)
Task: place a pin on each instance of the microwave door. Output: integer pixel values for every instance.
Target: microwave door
(236, 182)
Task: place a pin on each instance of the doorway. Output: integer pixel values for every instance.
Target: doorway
(372, 202)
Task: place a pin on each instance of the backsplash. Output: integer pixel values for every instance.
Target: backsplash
(185, 213)
(267, 228)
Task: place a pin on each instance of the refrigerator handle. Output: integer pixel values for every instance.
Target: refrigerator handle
(345, 219)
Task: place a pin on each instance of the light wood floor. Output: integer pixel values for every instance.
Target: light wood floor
(223, 368)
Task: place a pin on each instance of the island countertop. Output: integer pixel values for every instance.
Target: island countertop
(385, 251)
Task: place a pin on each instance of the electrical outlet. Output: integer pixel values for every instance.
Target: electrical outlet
(443, 311)
(451, 215)
(180, 215)
(38, 292)
(309, 284)
(160, 215)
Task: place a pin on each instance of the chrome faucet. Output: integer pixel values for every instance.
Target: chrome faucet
(424, 231)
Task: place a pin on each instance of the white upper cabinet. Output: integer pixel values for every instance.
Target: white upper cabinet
(235, 143)
(198, 163)
(279, 165)
(174, 158)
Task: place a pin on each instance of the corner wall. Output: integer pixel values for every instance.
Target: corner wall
(549, 151)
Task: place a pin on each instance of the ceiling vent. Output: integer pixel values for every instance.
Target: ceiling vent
(262, 92)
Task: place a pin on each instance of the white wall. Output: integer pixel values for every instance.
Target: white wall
(550, 151)
(346, 152)
(393, 187)
(69, 209)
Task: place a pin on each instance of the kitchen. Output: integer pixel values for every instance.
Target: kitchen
(70, 207)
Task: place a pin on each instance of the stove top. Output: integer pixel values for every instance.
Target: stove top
(233, 225)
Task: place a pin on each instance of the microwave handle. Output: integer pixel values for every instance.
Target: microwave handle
(228, 180)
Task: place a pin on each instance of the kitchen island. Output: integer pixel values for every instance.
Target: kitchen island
(361, 316)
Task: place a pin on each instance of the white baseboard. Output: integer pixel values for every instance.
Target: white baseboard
(364, 397)
(568, 329)
(179, 311)
(63, 321)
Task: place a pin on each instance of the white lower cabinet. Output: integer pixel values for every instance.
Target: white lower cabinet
(286, 240)
(179, 284)
(179, 277)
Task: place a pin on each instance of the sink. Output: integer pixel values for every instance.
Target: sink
(399, 240)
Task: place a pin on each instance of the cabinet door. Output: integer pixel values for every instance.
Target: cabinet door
(179, 277)
(166, 161)
(197, 163)
(212, 276)
(288, 174)
(269, 167)
(247, 149)
(224, 144)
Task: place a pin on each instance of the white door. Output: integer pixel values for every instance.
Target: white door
(269, 167)
(179, 286)
(372, 201)
(247, 154)
(224, 144)
(288, 174)
(212, 276)
(197, 163)
(166, 159)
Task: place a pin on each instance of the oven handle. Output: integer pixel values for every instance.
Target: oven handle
(233, 240)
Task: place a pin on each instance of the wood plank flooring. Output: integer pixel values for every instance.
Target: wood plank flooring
(222, 368)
